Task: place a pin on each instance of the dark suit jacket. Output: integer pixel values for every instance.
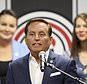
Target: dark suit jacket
(18, 72)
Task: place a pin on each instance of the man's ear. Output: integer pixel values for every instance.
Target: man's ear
(51, 39)
(25, 40)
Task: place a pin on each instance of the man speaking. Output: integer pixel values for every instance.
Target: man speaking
(27, 70)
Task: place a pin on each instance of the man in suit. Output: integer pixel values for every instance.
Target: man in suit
(26, 70)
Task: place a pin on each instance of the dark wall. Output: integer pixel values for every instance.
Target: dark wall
(62, 7)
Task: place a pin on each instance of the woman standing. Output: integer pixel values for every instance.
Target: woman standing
(79, 45)
(9, 49)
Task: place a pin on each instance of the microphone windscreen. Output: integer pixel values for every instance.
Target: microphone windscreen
(42, 53)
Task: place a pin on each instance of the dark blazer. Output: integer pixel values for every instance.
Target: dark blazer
(18, 72)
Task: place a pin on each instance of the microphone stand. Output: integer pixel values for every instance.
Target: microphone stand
(75, 78)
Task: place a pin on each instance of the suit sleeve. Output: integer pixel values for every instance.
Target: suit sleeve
(71, 69)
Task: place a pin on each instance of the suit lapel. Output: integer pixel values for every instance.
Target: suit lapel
(26, 69)
(48, 70)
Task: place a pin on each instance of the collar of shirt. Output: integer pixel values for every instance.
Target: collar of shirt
(34, 69)
(32, 58)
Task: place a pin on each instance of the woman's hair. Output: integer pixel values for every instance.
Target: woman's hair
(75, 41)
(38, 20)
(8, 12)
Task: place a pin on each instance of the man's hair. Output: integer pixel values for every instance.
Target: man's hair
(38, 20)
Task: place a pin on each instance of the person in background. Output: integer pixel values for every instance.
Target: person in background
(9, 48)
(26, 70)
(79, 45)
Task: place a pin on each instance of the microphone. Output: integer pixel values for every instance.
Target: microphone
(44, 64)
(42, 55)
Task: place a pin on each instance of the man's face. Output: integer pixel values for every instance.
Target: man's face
(37, 37)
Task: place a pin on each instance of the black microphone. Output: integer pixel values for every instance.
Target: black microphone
(42, 55)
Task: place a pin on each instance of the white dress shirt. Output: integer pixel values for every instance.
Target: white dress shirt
(34, 68)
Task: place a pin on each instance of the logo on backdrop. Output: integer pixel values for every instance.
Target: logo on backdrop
(61, 27)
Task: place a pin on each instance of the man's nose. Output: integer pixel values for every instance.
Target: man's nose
(37, 37)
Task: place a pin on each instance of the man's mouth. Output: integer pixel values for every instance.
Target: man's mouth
(36, 44)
